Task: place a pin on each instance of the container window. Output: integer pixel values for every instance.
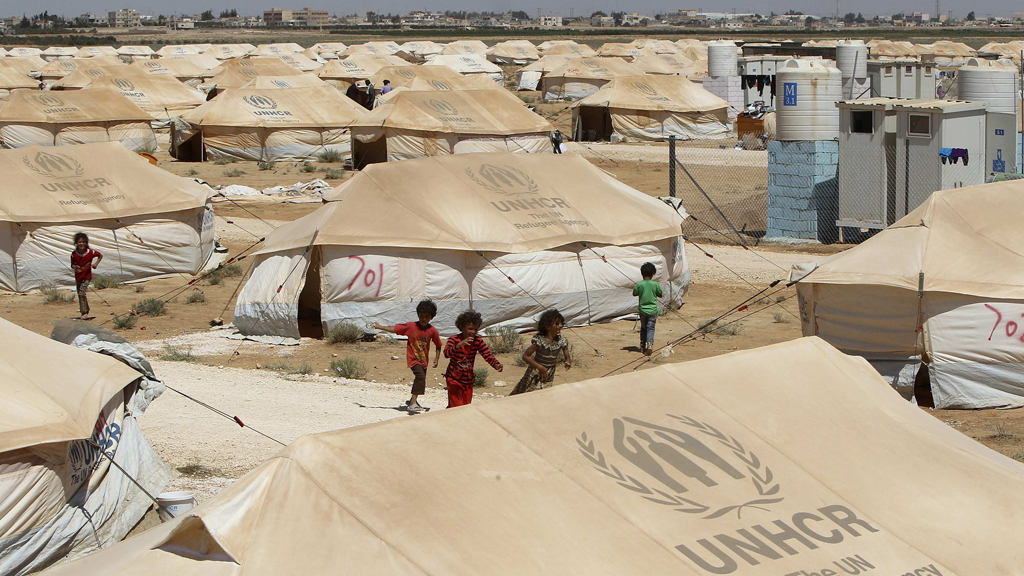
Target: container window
(888, 71)
(927, 70)
(919, 125)
(861, 121)
(908, 71)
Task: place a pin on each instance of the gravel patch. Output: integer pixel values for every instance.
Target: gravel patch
(659, 154)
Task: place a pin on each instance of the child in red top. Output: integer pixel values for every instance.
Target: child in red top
(461, 350)
(82, 264)
(417, 349)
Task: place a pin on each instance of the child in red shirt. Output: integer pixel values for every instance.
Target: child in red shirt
(461, 351)
(417, 349)
(82, 264)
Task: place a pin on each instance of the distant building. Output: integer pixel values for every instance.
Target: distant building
(304, 17)
(91, 20)
(635, 19)
(549, 21)
(181, 23)
(124, 18)
(602, 21)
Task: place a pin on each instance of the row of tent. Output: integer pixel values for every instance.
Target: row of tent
(264, 110)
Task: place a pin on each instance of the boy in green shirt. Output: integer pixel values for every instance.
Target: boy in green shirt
(648, 291)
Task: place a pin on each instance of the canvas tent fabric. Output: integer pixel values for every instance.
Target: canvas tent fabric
(280, 82)
(59, 498)
(132, 53)
(944, 284)
(12, 80)
(468, 65)
(434, 78)
(672, 64)
(414, 124)
(19, 51)
(372, 48)
(185, 71)
(656, 46)
(297, 61)
(620, 50)
(58, 69)
(94, 51)
(266, 125)
(726, 465)
(277, 49)
(204, 61)
(26, 65)
(229, 51)
(329, 48)
(444, 228)
(513, 52)
(581, 77)
(146, 221)
(651, 107)
(568, 48)
(59, 52)
(465, 47)
(530, 75)
(343, 73)
(177, 50)
(422, 50)
(163, 96)
(238, 73)
(63, 118)
(81, 78)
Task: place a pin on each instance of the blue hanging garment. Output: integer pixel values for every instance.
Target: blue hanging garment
(944, 154)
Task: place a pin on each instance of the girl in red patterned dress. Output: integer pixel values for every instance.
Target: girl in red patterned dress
(461, 350)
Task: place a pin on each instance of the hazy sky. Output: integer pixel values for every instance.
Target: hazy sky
(557, 7)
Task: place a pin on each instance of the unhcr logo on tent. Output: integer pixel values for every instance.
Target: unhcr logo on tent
(281, 84)
(444, 107)
(259, 101)
(95, 72)
(591, 64)
(439, 85)
(347, 64)
(53, 165)
(505, 180)
(404, 73)
(67, 65)
(124, 84)
(152, 64)
(651, 93)
(692, 467)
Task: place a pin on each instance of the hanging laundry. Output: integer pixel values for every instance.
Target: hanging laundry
(957, 154)
(944, 154)
(750, 81)
(760, 85)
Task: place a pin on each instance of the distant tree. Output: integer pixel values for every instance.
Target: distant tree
(860, 18)
(519, 15)
(970, 16)
(229, 13)
(794, 13)
(808, 21)
(618, 17)
(598, 13)
(396, 19)
(849, 18)
(25, 22)
(206, 16)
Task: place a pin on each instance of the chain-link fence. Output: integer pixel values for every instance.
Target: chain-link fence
(820, 191)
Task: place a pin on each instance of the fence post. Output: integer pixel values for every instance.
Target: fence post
(672, 166)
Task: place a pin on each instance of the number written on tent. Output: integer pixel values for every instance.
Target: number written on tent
(368, 276)
(1010, 327)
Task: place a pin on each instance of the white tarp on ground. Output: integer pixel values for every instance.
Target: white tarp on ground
(787, 460)
(448, 228)
(60, 499)
(145, 221)
(943, 283)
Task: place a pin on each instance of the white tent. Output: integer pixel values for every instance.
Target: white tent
(60, 498)
(414, 124)
(20, 51)
(182, 70)
(422, 50)
(343, 73)
(432, 78)
(530, 75)
(792, 459)
(177, 50)
(238, 73)
(229, 51)
(62, 118)
(297, 61)
(580, 77)
(944, 284)
(146, 221)
(204, 61)
(448, 228)
(460, 47)
(372, 48)
(94, 51)
(266, 125)
(59, 53)
(329, 48)
(513, 52)
(132, 53)
(277, 49)
(656, 46)
(58, 69)
(282, 82)
(572, 49)
(469, 64)
(651, 107)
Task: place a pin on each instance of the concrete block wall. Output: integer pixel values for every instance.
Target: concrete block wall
(803, 190)
(728, 88)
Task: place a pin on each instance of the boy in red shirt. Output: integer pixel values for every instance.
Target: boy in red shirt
(461, 350)
(82, 264)
(417, 349)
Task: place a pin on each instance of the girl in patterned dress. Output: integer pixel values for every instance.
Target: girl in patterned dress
(542, 355)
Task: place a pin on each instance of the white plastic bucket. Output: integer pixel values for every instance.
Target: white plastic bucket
(174, 504)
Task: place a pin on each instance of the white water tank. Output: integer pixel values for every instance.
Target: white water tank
(722, 56)
(852, 58)
(806, 92)
(992, 82)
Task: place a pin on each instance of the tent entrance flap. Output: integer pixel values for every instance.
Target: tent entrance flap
(594, 124)
(310, 322)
